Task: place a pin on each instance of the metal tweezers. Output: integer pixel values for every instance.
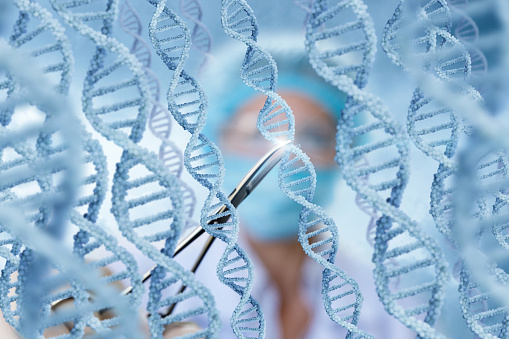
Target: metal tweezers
(239, 194)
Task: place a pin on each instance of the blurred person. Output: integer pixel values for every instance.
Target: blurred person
(287, 282)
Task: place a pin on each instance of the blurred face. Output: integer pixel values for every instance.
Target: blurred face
(268, 215)
(315, 129)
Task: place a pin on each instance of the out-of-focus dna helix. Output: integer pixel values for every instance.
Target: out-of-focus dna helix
(201, 38)
(420, 268)
(41, 193)
(297, 178)
(115, 74)
(447, 59)
(159, 120)
(187, 102)
(433, 129)
(483, 285)
(37, 34)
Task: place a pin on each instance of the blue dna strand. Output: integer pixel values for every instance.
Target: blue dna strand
(38, 26)
(480, 118)
(91, 239)
(485, 321)
(38, 34)
(436, 12)
(141, 182)
(23, 170)
(201, 38)
(465, 29)
(88, 239)
(458, 4)
(433, 128)
(500, 229)
(421, 269)
(21, 154)
(297, 178)
(39, 171)
(160, 119)
(483, 308)
(203, 159)
(366, 207)
(372, 212)
(130, 23)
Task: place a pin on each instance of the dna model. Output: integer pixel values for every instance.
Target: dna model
(34, 25)
(203, 160)
(113, 73)
(482, 303)
(201, 37)
(297, 178)
(159, 121)
(45, 156)
(480, 310)
(397, 236)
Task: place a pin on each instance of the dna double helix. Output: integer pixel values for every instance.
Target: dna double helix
(500, 229)
(297, 178)
(36, 27)
(203, 159)
(349, 29)
(28, 38)
(141, 182)
(486, 321)
(451, 62)
(434, 129)
(484, 310)
(201, 38)
(40, 166)
(458, 4)
(366, 207)
(439, 139)
(465, 30)
(159, 121)
(435, 13)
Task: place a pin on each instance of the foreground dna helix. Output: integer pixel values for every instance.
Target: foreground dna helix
(186, 100)
(297, 178)
(398, 238)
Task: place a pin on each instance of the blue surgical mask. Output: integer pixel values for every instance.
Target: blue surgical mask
(267, 214)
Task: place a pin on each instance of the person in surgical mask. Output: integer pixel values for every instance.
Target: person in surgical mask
(287, 282)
